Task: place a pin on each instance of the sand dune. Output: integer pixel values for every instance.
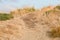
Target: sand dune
(31, 26)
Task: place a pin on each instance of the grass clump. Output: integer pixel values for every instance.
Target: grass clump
(48, 11)
(4, 16)
(28, 9)
(54, 32)
(58, 7)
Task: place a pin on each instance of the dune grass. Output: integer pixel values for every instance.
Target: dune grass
(54, 32)
(58, 7)
(4, 16)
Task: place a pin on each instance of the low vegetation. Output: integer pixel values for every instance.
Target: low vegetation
(4, 16)
(22, 11)
(29, 9)
(54, 32)
(47, 12)
(58, 7)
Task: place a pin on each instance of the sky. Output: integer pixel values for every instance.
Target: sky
(8, 5)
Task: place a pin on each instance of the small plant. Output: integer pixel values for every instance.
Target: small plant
(4, 16)
(49, 11)
(58, 7)
(54, 32)
(32, 9)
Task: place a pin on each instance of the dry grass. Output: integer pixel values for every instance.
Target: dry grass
(19, 26)
(23, 11)
(54, 32)
(9, 31)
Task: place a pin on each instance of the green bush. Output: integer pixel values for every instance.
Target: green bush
(54, 32)
(4, 16)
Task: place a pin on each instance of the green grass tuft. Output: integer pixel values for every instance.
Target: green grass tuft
(4, 16)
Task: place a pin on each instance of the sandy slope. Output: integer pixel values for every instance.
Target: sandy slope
(32, 26)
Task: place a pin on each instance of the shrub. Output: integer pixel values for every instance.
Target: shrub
(58, 7)
(32, 9)
(54, 32)
(4, 16)
(49, 11)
